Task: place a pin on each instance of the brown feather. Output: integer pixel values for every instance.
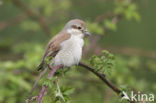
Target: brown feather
(53, 47)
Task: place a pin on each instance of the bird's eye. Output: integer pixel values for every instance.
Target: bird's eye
(79, 27)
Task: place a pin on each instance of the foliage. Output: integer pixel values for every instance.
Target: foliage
(123, 8)
(103, 63)
(22, 45)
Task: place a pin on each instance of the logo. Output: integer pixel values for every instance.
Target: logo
(125, 96)
(138, 97)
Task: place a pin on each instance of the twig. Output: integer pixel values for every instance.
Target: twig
(101, 76)
(32, 99)
(34, 15)
(59, 94)
(50, 75)
(14, 20)
(36, 82)
(132, 51)
(42, 93)
(127, 51)
(104, 79)
(114, 20)
(103, 16)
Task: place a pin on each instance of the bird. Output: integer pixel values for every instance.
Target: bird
(65, 48)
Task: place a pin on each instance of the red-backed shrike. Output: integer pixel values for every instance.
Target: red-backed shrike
(66, 46)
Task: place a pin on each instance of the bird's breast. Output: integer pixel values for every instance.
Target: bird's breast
(70, 53)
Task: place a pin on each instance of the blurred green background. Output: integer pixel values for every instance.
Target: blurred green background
(125, 28)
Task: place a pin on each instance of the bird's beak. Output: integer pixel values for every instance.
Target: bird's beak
(87, 33)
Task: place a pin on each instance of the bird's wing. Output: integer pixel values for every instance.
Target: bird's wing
(53, 47)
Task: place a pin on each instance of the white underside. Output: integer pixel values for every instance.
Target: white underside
(71, 51)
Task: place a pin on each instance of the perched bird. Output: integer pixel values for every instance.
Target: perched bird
(66, 47)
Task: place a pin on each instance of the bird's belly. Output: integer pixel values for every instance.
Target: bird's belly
(70, 54)
(68, 57)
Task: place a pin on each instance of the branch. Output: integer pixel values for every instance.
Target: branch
(53, 70)
(103, 16)
(42, 93)
(93, 41)
(50, 75)
(115, 19)
(17, 19)
(33, 14)
(36, 82)
(127, 51)
(101, 76)
(44, 87)
(132, 51)
(104, 79)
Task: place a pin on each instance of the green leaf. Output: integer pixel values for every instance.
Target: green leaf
(95, 28)
(110, 25)
(103, 63)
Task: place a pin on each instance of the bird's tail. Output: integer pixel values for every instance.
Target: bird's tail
(40, 66)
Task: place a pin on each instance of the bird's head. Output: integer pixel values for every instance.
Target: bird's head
(77, 27)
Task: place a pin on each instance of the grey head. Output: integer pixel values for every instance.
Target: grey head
(77, 25)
